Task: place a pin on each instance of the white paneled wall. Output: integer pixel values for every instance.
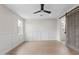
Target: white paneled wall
(8, 30)
(41, 29)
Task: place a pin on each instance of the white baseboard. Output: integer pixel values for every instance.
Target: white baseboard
(5, 52)
(73, 47)
(41, 40)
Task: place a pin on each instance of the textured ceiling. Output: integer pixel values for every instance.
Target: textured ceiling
(26, 10)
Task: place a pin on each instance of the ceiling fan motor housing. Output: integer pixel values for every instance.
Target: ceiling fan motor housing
(42, 10)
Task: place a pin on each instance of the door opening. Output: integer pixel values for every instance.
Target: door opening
(61, 29)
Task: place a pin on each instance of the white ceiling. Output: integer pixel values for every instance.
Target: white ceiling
(26, 10)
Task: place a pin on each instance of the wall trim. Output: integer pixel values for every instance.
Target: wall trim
(6, 52)
(72, 47)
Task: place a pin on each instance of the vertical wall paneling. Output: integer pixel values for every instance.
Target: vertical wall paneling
(72, 28)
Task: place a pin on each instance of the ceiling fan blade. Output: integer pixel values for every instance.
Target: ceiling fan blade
(42, 6)
(47, 11)
(37, 12)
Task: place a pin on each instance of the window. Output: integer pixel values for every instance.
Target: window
(20, 27)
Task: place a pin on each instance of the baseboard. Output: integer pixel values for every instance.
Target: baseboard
(39, 40)
(72, 47)
(6, 52)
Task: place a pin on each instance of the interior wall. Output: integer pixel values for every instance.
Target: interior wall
(72, 29)
(58, 29)
(9, 37)
(41, 29)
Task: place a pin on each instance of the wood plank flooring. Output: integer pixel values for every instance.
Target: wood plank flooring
(43, 48)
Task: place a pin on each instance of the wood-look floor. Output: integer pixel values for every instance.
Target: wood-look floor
(43, 48)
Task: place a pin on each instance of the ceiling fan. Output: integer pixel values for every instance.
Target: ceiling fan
(42, 10)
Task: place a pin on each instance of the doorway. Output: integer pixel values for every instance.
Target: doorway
(61, 29)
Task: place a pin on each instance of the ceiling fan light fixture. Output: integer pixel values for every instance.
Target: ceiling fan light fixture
(42, 10)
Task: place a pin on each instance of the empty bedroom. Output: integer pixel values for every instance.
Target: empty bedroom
(39, 29)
